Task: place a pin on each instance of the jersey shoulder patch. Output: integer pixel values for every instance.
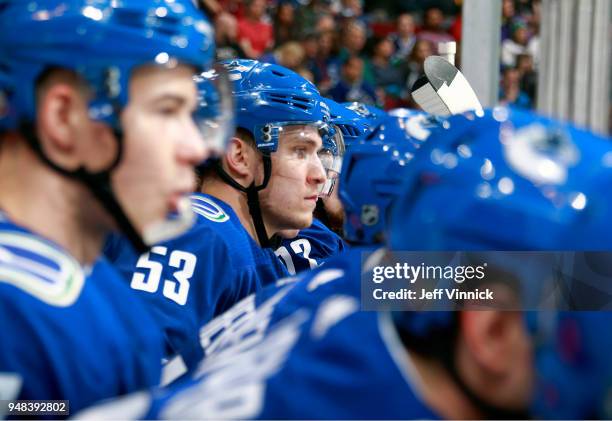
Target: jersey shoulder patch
(39, 268)
(209, 209)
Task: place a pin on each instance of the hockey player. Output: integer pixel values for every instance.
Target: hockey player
(268, 180)
(96, 130)
(378, 149)
(319, 356)
(308, 248)
(299, 112)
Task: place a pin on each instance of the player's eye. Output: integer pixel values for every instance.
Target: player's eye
(167, 111)
(300, 152)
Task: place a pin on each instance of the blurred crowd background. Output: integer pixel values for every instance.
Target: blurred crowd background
(374, 52)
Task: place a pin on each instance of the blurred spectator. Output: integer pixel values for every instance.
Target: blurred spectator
(317, 37)
(351, 86)
(290, 55)
(508, 13)
(432, 30)
(306, 74)
(226, 37)
(416, 61)
(351, 9)
(404, 38)
(448, 7)
(214, 8)
(533, 46)
(307, 16)
(226, 27)
(388, 75)
(380, 24)
(527, 75)
(353, 43)
(535, 16)
(353, 40)
(516, 45)
(285, 28)
(520, 47)
(510, 90)
(455, 29)
(310, 44)
(325, 23)
(319, 50)
(524, 7)
(254, 32)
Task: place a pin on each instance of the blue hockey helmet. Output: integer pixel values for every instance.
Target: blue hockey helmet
(417, 124)
(512, 180)
(515, 181)
(354, 127)
(103, 42)
(395, 138)
(369, 112)
(371, 179)
(215, 112)
(269, 100)
(403, 124)
(270, 97)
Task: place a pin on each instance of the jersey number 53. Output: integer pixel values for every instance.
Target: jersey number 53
(176, 288)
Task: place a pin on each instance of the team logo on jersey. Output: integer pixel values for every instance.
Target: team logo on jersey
(369, 215)
(40, 269)
(208, 209)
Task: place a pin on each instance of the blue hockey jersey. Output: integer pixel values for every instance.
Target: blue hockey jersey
(191, 279)
(318, 356)
(311, 247)
(304, 350)
(69, 332)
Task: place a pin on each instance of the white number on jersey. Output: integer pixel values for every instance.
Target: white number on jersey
(300, 246)
(175, 289)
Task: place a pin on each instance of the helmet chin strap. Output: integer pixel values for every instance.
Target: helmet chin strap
(252, 193)
(97, 183)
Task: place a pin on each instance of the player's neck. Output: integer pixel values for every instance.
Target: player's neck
(237, 200)
(439, 391)
(49, 204)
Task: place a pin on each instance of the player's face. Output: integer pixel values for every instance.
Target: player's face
(297, 173)
(161, 144)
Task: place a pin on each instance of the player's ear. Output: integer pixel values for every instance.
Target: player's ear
(239, 160)
(57, 113)
(69, 138)
(494, 339)
(494, 357)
